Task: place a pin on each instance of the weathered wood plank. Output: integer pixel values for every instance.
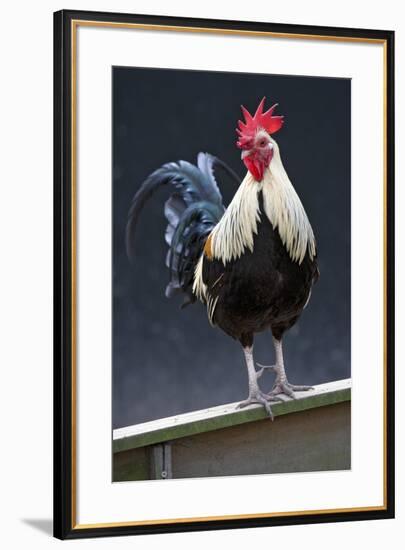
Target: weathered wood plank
(225, 416)
(315, 440)
(132, 465)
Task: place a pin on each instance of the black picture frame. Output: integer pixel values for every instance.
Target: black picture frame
(64, 444)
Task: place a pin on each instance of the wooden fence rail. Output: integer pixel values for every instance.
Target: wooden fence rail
(309, 433)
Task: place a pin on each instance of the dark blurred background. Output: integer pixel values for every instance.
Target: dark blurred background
(166, 360)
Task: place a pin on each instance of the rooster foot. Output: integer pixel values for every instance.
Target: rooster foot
(282, 385)
(287, 389)
(262, 399)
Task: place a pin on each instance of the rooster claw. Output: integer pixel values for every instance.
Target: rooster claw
(261, 399)
(287, 389)
(281, 387)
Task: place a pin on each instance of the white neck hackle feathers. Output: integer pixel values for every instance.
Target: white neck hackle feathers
(235, 231)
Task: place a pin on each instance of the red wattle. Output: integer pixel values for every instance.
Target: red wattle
(255, 167)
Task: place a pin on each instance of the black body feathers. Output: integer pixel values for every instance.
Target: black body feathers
(263, 289)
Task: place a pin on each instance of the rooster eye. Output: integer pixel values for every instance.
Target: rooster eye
(262, 142)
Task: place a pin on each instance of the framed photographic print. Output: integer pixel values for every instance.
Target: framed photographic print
(224, 274)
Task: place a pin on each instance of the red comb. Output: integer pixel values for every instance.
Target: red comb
(267, 121)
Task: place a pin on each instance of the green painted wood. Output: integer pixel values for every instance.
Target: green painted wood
(232, 417)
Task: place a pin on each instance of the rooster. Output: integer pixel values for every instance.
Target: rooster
(252, 264)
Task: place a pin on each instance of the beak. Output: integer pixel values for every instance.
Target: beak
(245, 153)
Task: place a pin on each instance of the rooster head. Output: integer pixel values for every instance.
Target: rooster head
(254, 138)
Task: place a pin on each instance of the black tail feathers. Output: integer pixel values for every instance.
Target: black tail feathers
(192, 211)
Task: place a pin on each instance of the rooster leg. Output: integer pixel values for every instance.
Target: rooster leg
(255, 394)
(281, 384)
